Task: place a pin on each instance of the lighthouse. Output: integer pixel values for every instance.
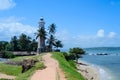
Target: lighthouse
(41, 37)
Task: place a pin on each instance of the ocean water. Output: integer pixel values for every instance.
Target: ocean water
(2, 60)
(108, 65)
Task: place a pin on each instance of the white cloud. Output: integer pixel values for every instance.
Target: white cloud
(83, 41)
(16, 28)
(6, 4)
(13, 27)
(111, 34)
(65, 37)
(100, 33)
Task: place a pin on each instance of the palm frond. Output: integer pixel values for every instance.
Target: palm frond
(52, 29)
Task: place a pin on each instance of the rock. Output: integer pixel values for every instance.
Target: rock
(102, 54)
(92, 78)
(27, 64)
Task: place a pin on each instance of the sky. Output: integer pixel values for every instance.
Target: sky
(79, 23)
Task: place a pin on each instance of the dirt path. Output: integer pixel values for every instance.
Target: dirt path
(6, 76)
(51, 72)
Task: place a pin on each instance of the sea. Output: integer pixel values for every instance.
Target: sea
(106, 60)
(3, 60)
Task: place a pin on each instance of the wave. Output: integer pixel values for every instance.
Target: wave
(104, 73)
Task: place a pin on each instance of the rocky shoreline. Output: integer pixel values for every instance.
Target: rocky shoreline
(89, 72)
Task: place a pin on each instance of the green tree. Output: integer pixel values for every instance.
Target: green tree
(76, 52)
(41, 34)
(51, 42)
(52, 29)
(24, 42)
(33, 45)
(3, 45)
(14, 43)
(9, 47)
(58, 44)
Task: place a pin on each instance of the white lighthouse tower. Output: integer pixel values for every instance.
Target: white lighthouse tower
(41, 38)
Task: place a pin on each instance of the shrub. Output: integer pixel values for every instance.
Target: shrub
(6, 54)
(76, 52)
(68, 56)
(57, 50)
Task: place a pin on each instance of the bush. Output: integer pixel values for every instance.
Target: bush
(76, 52)
(68, 56)
(6, 54)
(57, 50)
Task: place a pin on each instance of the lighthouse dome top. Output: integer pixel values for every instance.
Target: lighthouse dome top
(41, 19)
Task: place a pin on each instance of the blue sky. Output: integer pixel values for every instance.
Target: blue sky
(80, 23)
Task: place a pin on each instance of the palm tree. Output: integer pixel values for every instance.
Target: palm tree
(51, 39)
(58, 43)
(50, 42)
(14, 43)
(24, 41)
(41, 35)
(52, 29)
(33, 45)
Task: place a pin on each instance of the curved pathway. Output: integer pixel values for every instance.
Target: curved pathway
(6, 76)
(51, 72)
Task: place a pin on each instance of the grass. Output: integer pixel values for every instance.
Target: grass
(28, 73)
(4, 79)
(57, 76)
(16, 70)
(10, 69)
(67, 67)
(72, 63)
(21, 58)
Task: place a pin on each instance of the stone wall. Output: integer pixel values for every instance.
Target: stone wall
(25, 53)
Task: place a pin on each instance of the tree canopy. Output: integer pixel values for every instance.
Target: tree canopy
(76, 52)
(26, 43)
(21, 43)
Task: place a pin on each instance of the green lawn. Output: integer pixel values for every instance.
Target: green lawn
(4, 79)
(21, 58)
(16, 70)
(67, 67)
(10, 69)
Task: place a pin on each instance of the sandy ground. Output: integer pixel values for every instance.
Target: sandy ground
(88, 71)
(6, 76)
(51, 72)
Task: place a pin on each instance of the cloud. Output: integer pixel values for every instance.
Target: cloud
(11, 28)
(65, 37)
(6, 4)
(111, 34)
(101, 40)
(100, 33)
